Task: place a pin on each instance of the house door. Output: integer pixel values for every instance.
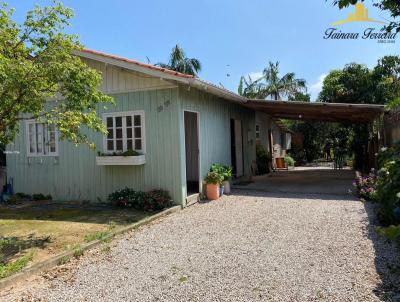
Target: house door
(192, 152)
(237, 147)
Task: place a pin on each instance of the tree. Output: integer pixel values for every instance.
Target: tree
(41, 78)
(179, 62)
(300, 97)
(392, 6)
(386, 75)
(248, 88)
(271, 85)
(356, 83)
(352, 84)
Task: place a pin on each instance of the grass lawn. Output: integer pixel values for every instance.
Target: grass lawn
(34, 231)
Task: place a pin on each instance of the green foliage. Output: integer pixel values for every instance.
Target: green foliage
(272, 85)
(40, 196)
(64, 260)
(388, 185)
(128, 152)
(392, 232)
(263, 160)
(179, 62)
(37, 64)
(356, 83)
(289, 161)
(78, 252)
(23, 196)
(154, 200)
(316, 136)
(96, 236)
(366, 185)
(213, 178)
(8, 269)
(224, 171)
(392, 6)
(300, 97)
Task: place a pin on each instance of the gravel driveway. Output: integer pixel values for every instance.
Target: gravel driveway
(250, 246)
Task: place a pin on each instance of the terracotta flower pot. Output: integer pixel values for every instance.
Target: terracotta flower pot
(212, 192)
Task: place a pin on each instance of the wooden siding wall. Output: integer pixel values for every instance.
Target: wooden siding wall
(215, 137)
(264, 120)
(118, 80)
(74, 174)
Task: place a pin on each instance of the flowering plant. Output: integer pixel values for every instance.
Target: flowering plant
(366, 185)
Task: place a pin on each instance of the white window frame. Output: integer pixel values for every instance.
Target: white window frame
(45, 140)
(124, 138)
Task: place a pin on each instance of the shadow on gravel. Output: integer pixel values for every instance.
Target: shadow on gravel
(387, 259)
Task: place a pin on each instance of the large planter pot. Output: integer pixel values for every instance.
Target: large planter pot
(227, 187)
(212, 192)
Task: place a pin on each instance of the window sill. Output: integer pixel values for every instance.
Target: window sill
(120, 160)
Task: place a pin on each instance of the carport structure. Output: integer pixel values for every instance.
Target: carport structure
(317, 111)
(356, 114)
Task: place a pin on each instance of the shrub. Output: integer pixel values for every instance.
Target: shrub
(263, 160)
(384, 189)
(40, 196)
(224, 171)
(365, 185)
(289, 161)
(14, 267)
(22, 196)
(388, 184)
(148, 201)
(213, 178)
(157, 200)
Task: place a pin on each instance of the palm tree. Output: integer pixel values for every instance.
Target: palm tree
(271, 85)
(248, 88)
(179, 62)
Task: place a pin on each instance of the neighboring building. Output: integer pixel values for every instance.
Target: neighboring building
(180, 124)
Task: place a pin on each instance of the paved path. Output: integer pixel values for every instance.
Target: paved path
(251, 246)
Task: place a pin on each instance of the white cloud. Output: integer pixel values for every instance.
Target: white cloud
(316, 88)
(255, 75)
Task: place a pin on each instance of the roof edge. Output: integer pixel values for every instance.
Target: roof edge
(164, 73)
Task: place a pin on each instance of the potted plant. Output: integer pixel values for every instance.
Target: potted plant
(213, 181)
(227, 177)
(226, 173)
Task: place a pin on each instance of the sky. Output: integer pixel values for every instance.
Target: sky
(231, 38)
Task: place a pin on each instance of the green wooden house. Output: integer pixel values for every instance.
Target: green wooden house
(178, 123)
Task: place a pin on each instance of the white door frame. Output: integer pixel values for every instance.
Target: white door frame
(198, 145)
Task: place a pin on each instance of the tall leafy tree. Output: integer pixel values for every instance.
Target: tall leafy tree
(386, 75)
(41, 78)
(356, 83)
(352, 84)
(179, 62)
(391, 6)
(248, 87)
(271, 85)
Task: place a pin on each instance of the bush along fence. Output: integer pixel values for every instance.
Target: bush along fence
(383, 187)
(154, 200)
